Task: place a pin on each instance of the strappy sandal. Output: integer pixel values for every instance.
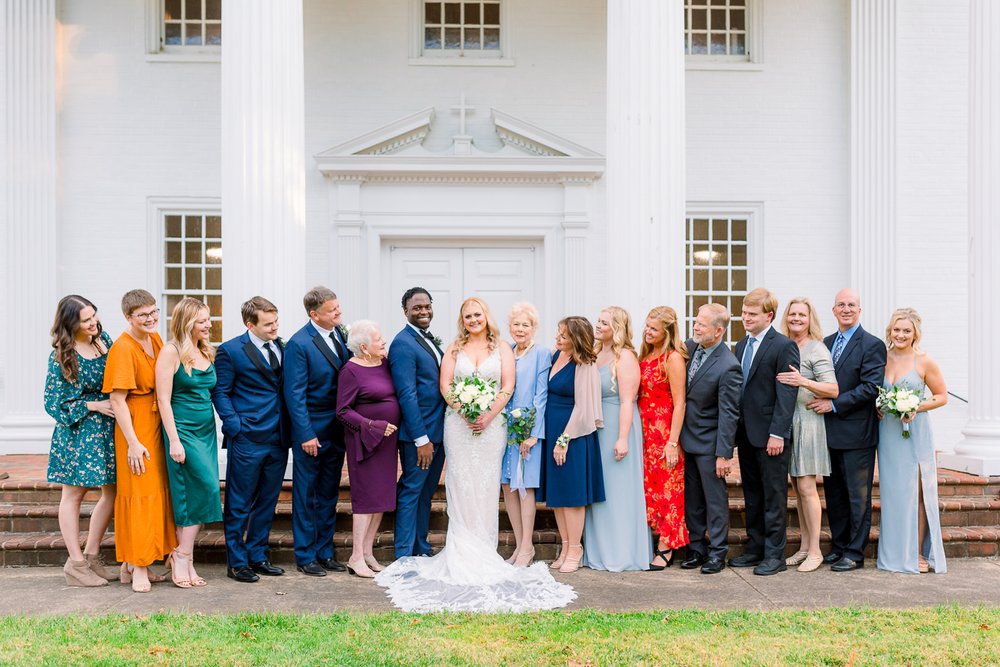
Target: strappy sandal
(175, 562)
(662, 553)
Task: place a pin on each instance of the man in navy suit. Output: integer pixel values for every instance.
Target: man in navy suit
(851, 433)
(248, 398)
(313, 359)
(762, 437)
(415, 360)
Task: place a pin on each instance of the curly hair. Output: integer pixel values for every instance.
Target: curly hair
(182, 320)
(64, 328)
(621, 338)
(492, 330)
(580, 333)
(667, 317)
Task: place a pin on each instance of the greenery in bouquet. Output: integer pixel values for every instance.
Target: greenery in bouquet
(899, 401)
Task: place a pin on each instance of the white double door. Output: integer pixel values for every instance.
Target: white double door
(500, 276)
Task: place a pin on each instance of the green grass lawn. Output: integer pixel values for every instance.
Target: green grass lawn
(856, 636)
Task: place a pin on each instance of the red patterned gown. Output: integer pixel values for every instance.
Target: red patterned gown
(664, 488)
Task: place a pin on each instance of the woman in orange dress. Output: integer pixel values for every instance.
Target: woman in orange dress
(144, 522)
(662, 389)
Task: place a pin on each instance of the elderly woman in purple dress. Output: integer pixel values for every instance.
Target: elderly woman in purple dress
(367, 405)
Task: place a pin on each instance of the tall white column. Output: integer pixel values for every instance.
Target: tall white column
(645, 167)
(27, 215)
(979, 451)
(263, 158)
(873, 158)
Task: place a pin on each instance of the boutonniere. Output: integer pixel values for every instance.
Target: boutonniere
(437, 341)
(343, 330)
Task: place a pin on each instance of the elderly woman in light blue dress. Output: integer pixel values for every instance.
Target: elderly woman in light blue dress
(522, 460)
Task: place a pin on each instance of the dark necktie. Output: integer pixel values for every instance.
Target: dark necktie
(430, 337)
(838, 349)
(699, 357)
(272, 358)
(338, 346)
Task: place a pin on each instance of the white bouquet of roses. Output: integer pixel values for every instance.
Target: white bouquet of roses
(898, 401)
(473, 395)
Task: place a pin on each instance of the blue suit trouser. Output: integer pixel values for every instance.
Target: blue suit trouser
(254, 474)
(315, 489)
(413, 499)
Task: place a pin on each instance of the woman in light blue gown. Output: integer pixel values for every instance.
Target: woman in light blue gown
(910, 530)
(616, 535)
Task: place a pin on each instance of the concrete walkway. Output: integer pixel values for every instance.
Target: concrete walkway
(968, 582)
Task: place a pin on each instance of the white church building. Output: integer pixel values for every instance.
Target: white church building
(573, 153)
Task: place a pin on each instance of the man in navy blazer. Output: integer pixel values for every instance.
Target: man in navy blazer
(762, 437)
(313, 359)
(851, 433)
(247, 396)
(415, 360)
(710, 417)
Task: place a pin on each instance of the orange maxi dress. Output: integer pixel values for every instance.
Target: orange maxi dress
(664, 488)
(144, 521)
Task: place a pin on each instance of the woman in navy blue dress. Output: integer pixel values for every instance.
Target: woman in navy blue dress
(571, 476)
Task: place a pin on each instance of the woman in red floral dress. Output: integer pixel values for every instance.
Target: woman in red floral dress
(661, 407)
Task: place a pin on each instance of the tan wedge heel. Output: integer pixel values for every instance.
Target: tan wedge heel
(78, 573)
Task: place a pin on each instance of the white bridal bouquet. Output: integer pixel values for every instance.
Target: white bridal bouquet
(898, 401)
(473, 394)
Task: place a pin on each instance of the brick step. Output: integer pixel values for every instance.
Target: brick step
(48, 548)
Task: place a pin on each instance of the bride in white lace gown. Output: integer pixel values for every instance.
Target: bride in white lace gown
(469, 574)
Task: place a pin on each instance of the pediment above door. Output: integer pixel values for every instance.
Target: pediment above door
(418, 148)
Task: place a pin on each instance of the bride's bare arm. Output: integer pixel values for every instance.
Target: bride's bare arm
(447, 372)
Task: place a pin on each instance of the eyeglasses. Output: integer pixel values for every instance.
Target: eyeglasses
(846, 306)
(143, 317)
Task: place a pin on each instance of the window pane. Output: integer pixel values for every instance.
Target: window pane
(213, 227)
(697, 302)
(213, 253)
(172, 33)
(452, 38)
(700, 281)
(432, 12)
(213, 10)
(472, 13)
(720, 230)
(432, 38)
(718, 43)
(720, 255)
(739, 281)
(718, 19)
(699, 43)
(216, 335)
(172, 9)
(700, 230)
(720, 280)
(737, 44)
(213, 34)
(173, 252)
(700, 255)
(699, 19)
(737, 330)
(491, 38)
(192, 226)
(192, 279)
(736, 21)
(173, 278)
(193, 34)
(192, 9)
(452, 12)
(215, 303)
(213, 278)
(491, 13)
(192, 252)
(739, 255)
(472, 40)
(173, 229)
(739, 230)
(173, 300)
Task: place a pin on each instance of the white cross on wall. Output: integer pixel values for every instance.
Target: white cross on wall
(462, 109)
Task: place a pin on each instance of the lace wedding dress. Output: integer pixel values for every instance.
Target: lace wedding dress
(469, 574)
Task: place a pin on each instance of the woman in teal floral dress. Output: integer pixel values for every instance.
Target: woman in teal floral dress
(83, 447)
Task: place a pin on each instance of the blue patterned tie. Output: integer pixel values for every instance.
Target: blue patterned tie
(699, 357)
(838, 348)
(748, 358)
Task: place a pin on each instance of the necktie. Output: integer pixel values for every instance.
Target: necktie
(748, 358)
(272, 358)
(699, 357)
(838, 348)
(429, 336)
(338, 346)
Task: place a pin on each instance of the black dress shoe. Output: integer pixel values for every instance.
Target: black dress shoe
(242, 574)
(746, 560)
(266, 568)
(331, 565)
(313, 569)
(769, 566)
(845, 564)
(693, 561)
(832, 558)
(713, 566)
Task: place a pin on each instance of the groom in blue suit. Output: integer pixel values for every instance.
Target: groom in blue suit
(314, 357)
(248, 398)
(415, 360)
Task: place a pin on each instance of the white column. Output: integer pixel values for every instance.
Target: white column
(27, 216)
(873, 158)
(576, 224)
(645, 167)
(350, 252)
(979, 451)
(263, 159)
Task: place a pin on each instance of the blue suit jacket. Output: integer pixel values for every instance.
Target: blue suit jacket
(416, 377)
(311, 370)
(248, 395)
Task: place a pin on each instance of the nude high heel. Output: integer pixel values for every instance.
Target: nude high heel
(572, 564)
(78, 573)
(558, 562)
(524, 558)
(97, 565)
(373, 563)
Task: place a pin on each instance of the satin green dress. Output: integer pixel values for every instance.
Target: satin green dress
(194, 484)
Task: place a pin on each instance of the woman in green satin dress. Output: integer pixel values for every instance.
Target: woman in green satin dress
(185, 376)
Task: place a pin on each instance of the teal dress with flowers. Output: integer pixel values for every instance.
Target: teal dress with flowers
(83, 442)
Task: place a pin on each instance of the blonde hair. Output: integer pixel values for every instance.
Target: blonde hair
(667, 317)
(815, 331)
(182, 321)
(524, 308)
(905, 314)
(492, 330)
(621, 338)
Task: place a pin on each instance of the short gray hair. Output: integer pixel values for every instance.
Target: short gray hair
(526, 309)
(360, 333)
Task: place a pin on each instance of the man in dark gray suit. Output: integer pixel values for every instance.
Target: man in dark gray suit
(714, 384)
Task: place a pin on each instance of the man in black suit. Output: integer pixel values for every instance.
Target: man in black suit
(762, 436)
(713, 410)
(851, 432)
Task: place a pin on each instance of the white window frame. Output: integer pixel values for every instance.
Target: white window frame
(156, 209)
(754, 58)
(158, 52)
(458, 58)
(753, 213)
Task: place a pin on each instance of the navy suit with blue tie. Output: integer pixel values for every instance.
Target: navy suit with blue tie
(416, 376)
(311, 371)
(248, 398)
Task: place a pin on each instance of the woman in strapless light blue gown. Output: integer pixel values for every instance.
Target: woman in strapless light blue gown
(616, 536)
(910, 529)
